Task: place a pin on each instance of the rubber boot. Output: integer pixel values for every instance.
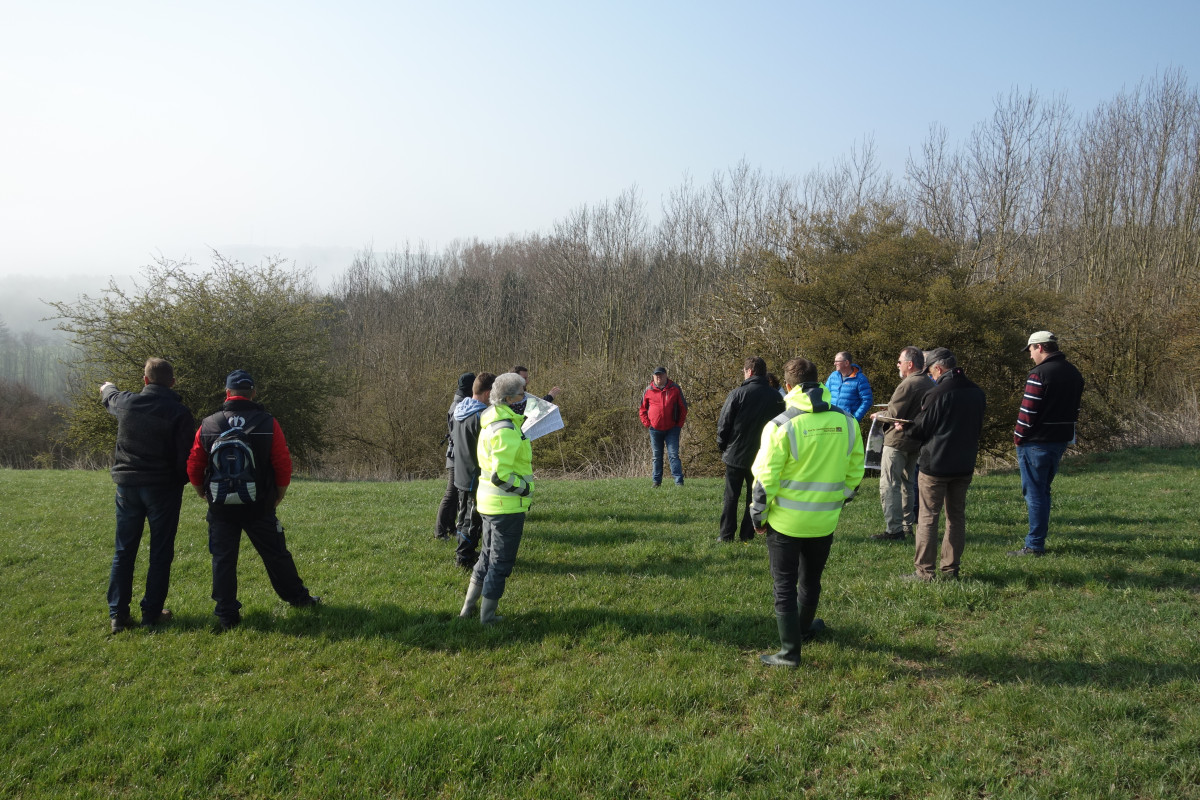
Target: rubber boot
(789, 638)
(487, 612)
(474, 592)
(810, 623)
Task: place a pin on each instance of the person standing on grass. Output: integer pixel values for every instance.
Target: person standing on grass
(663, 411)
(948, 425)
(448, 508)
(245, 501)
(739, 429)
(849, 387)
(464, 434)
(154, 431)
(1045, 426)
(503, 496)
(898, 467)
(810, 462)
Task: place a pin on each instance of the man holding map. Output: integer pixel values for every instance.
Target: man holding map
(900, 450)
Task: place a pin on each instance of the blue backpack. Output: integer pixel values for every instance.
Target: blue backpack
(231, 469)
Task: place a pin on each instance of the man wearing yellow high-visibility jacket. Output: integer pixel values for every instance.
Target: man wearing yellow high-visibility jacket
(809, 463)
(505, 487)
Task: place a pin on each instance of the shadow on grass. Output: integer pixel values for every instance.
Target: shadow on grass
(600, 630)
(1115, 576)
(1121, 672)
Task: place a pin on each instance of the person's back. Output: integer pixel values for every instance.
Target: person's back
(747, 409)
(464, 434)
(809, 463)
(950, 424)
(271, 474)
(154, 431)
(259, 429)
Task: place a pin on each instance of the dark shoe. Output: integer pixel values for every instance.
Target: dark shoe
(442, 536)
(790, 636)
(121, 622)
(151, 622)
(308, 602)
(679, 483)
(810, 623)
(655, 485)
(888, 537)
(1027, 551)
(916, 577)
(229, 623)
(467, 565)
(948, 576)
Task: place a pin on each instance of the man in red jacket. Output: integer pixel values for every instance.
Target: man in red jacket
(663, 411)
(245, 502)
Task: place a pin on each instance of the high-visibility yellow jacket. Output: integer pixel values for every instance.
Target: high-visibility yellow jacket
(809, 462)
(505, 462)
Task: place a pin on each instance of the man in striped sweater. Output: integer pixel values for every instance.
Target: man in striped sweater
(1045, 426)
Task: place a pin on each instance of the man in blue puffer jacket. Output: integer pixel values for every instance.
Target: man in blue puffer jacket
(848, 386)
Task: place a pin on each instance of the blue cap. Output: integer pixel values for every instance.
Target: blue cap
(239, 379)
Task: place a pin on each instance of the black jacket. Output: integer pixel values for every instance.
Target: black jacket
(1050, 406)
(949, 425)
(154, 435)
(747, 410)
(449, 438)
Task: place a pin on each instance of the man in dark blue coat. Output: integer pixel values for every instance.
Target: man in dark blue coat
(154, 434)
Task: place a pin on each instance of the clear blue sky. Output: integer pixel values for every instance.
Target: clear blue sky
(135, 128)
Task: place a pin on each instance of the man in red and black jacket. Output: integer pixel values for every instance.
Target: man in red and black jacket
(273, 475)
(663, 411)
(1045, 426)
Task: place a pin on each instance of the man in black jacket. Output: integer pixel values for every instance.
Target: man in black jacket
(448, 508)
(464, 435)
(154, 432)
(255, 513)
(747, 410)
(949, 424)
(1045, 426)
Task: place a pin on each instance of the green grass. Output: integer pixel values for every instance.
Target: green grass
(627, 665)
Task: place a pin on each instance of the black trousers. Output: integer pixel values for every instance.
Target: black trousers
(470, 529)
(448, 509)
(266, 534)
(735, 479)
(796, 566)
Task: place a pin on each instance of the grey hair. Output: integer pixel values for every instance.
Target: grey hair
(914, 354)
(506, 387)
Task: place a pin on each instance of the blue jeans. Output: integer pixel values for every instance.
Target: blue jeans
(135, 506)
(1039, 465)
(671, 439)
(501, 540)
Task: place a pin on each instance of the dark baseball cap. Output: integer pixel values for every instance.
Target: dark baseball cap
(239, 379)
(660, 370)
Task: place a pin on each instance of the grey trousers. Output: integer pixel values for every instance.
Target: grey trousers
(896, 489)
(501, 539)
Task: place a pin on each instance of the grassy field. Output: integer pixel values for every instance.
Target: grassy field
(628, 662)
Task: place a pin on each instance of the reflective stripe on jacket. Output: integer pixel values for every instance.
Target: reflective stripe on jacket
(809, 463)
(505, 462)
